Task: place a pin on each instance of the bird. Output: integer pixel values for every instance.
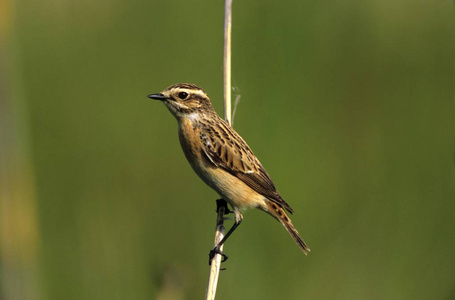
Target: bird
(223, 160)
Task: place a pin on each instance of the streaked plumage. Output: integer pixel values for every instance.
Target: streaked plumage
(222, 159)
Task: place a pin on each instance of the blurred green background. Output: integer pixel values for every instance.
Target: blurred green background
(348, 104)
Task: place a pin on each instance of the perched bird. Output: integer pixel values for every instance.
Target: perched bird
(222, 159)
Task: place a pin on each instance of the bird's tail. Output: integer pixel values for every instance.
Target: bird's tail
(277, 212)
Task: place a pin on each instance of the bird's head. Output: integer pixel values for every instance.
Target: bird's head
(184, 99)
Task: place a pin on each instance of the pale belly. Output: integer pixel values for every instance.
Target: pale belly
(230, 188)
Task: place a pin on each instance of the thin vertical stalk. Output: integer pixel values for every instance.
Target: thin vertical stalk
(219, 231)
(227, 60)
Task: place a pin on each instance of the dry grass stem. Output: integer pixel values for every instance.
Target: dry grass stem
(219, 233)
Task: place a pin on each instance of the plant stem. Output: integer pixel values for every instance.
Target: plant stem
(219, 232)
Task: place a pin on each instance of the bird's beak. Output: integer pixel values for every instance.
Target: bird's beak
(159, 96)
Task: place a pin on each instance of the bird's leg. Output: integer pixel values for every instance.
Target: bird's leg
(238, 219)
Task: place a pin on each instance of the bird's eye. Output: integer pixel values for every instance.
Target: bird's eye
(183, 95)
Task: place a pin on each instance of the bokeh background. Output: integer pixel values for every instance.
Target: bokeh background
(348, 104)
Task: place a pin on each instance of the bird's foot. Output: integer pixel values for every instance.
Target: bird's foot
(216, 251)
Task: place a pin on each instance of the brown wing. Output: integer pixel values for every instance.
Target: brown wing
(227, 150)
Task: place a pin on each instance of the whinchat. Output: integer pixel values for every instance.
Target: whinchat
(222, 159)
